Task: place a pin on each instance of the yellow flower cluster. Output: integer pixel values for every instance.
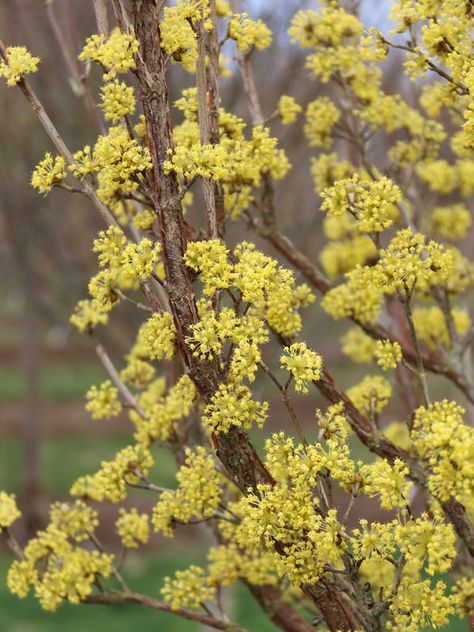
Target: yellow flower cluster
(19, 62)
(118, 100)
(54, 565)
(178, 31)
(119, 162)
(388, 354)
(48, 173)
(445, 41)
(417, 605)
(270, 288)
(464, 592)
(138, 373)
(288, 109)
(451, 222)
(303, 363)
(157, 337)
(140, 260)
(197, 497)
(326, 169)
(358, 346)
(87, 315)
(388, 482)
(111, 480)
(262, 283)
(127, 262)
(288, 516)
(115, 54)
(446, 444)
(359, 297)
(248, 33)
(228, 563)
(236, 161)
(188, 589)
(162, 411)
(340, 257)
(233, 161)
(76, 520)
(431, 328)
(372, 203)
(424, 539)
(8, 510)
(321, 116)
(332, 33)
(371, 395)
(232, 405)
(133, 528)
(103, 402)
(409, 261)
(210, 260)
(103, 289)
(109, 245)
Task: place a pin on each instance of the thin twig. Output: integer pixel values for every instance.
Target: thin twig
(138, 305)
(115, 572)
(12, 543)
(58, 141)
(405, 300)
(119, 383)
(286, 401)
(101, 17)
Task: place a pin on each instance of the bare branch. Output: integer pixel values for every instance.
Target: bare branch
(101, 17)
(155, 604)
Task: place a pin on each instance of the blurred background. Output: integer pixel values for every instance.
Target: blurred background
(46, 437)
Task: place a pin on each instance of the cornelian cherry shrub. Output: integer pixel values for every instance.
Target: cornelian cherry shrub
(222, 321)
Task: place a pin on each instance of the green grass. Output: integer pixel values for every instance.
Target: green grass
(58, 382)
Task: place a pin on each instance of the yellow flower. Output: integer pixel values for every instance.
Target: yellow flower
(371, 395)
(303, 364)
(117, 100)
(115, 54)
(357, 345)
(87, 315)
(140, 259)
(111, 480)
(232, 405)
(19, 62)
(157, 336)
(288, 109)
(133, 528)
(210, 259)
(188, 589)
(197, 497)
(8, 510)
(48, 173)
(388, 481)
(388, 354)
(248, 33)
(372, 203)
(321, 116)
(103, 402)
(451, 222)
